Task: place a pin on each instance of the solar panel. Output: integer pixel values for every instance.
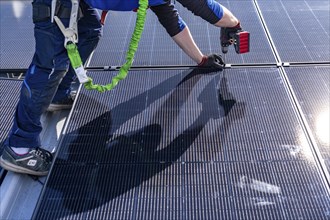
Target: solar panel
(300, 30)
(179, 144)
(16, 34)
(311, 86)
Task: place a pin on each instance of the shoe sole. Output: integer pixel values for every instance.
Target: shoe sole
(54, 108)
(17, 169)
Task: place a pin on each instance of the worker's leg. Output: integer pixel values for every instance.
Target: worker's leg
(49, 65)
(22, 152)
(90, 31)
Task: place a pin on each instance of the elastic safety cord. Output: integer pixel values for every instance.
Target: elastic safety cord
(139, 25)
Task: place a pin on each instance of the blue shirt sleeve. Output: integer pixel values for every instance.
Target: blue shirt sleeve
(119, 5)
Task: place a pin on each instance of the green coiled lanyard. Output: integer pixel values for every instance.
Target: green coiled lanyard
(139, 25)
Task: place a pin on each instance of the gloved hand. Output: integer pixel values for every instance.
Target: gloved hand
(213, 61)
(227, 32)
(235, 35)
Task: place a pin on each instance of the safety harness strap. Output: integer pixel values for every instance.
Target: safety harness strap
(42, 12)
(140, 20)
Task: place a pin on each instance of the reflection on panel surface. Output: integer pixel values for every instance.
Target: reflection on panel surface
(183, 145)
(311, 86)
(299, 29)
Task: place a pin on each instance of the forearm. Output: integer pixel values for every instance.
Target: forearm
(227, 20)
(185, 41)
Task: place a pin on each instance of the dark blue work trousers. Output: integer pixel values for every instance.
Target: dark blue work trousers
(50, 74)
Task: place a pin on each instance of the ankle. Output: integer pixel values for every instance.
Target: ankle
(20, 150)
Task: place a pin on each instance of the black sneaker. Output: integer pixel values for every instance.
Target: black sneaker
(36, 162)
(63, 104)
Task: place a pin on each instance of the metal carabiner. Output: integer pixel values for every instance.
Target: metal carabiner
(70, 33)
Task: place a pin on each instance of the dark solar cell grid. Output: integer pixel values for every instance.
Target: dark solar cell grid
(8, 102)
(16, 35)
(311, 87)
(190, 161)
(298, 41)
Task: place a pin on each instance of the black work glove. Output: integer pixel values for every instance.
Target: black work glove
(227, 33)
(212, 61)
(236, 36)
